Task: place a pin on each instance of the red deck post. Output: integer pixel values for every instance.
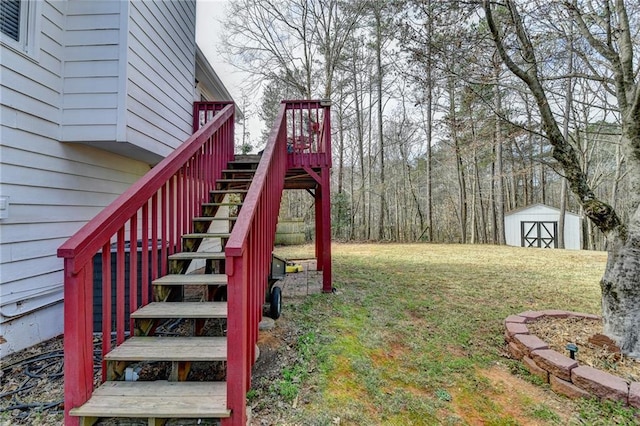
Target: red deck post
(237, 342)
(325, 213)
(78, 339)
(319, 224)
(314, 158)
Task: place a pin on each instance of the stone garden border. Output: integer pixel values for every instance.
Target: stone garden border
(564, 374)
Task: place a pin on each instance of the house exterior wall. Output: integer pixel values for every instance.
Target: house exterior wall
(73, 88)
(129, 76)
(542, 213)
(160, 74)
(92, 68)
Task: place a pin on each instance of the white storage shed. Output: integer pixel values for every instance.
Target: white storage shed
(537, 226)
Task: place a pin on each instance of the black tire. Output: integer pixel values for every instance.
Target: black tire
(275, 308)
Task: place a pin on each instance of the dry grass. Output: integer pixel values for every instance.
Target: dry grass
(415, 335)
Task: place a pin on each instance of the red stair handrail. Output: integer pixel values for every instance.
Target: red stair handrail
(248, 259)
(158, 207)
(249, 249)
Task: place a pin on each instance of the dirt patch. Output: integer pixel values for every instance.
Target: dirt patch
(509, 394)
(31, 390)
(511, 385)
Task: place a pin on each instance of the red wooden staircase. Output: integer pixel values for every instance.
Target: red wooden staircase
(214, 215)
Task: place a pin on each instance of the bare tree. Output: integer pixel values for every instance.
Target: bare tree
(608, 32)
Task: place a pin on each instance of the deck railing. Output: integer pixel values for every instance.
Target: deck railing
(308, 133)
(153, 213)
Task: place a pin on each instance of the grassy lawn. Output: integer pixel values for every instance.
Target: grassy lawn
(415, 336)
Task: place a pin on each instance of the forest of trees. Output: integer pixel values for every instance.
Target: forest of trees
(434, 139)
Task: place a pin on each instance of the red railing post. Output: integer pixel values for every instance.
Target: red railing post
(78, 339)
(325, 195)
(237, 340)
(325, 213)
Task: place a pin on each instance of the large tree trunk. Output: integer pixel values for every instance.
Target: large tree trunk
(462, 184)
(621, 290)
(429, 129)
(360, 139)
(621, 281)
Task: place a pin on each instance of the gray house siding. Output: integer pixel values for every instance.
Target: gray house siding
(160, 74)
(92, 58)
(53, 188)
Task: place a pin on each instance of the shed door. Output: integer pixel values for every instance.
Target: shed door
(539, 234)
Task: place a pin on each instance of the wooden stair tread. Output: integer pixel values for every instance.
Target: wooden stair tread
(182, 310)
(228, 191)
(238, 158)
(210, 218)
(243, 163)
(158, 399)
(221, 204)
(189, 255)
(153, 348)
(236, 180)
(239, 171)
(208, 235)
(192, 279)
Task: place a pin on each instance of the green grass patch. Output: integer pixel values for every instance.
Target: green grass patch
(415, 334)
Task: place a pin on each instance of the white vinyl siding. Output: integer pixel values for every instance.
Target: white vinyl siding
(161, 74)
(53, 188)
(129, 76)
(92, 57)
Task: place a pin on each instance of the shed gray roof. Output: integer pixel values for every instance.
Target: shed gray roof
(530, 206)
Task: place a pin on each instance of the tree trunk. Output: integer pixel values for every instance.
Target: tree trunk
(370, 159)
(492, 200)
(568, 106)
(474, 188)
(359, 136)
(499, 181)
(341, 142)
(379, 71)
(429, 128)
(462, 190)
(621, 289)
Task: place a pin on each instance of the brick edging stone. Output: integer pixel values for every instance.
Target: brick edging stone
(564, 374)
